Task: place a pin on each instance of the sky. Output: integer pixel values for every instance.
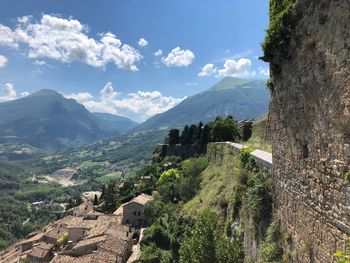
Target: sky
(133, 58)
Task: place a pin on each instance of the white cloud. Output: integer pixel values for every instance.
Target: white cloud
(138, 106)
(158, 53)
(80, 97)
(108, 93)
(240, 68)
(191, 83)
(40, 63)
(8, 37)
(143, 42)
(264, 71)
(208, 70)
(10, 92)
(179, 58)
(3, 61)
(24, 19)
(66, 40)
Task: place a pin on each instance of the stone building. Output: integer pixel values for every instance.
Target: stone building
(310, 130)
(81, 210)
(41, 253)
(132, 213)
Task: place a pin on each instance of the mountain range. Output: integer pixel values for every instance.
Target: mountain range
(240, 98)
(46, 119)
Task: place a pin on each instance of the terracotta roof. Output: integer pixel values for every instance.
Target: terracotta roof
(41, 250)
(141, 199)
(114, 244)
(90, 241)
(35, 238)
(68, 259)
(103, 256)
(57, 232)
(117, 230)
(97, 231)
(119, 211)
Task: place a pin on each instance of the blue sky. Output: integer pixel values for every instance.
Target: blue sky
(91, 50)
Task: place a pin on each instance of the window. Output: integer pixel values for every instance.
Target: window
(134, 213)
(138, 213)
(305, 151)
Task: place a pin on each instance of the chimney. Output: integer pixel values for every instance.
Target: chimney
(69, 244)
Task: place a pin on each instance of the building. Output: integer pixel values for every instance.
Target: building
(41, 253)
(81, 210)
(132, 212)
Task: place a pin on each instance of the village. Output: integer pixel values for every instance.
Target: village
(85, 235)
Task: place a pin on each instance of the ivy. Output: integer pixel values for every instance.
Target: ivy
(277, 40)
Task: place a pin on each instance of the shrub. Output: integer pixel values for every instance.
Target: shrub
(344, 256)
(271, 249)
(277, 40)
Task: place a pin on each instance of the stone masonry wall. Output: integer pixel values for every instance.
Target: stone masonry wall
(309, 123)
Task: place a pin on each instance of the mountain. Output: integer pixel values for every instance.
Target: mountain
(46, 119)
(120, 123)
(241, 98)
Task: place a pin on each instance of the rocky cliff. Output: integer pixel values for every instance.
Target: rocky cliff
(309, 123)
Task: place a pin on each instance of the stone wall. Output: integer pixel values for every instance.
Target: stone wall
(309, 122)
(178, 150)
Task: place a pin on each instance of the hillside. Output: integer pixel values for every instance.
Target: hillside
(243, 99)
(46, 119)
(120, 123)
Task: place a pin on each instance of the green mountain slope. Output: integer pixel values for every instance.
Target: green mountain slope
(46, 119)
(243, 99)
(122, 124)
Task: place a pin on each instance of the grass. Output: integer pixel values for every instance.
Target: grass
(87, 164)
(257, 140)
(108, 178)
(217, 184)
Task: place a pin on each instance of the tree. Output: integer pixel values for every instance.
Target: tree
(198, 244)
(191, 177)
(153, 211)
(205, 135)
(110, 199)
(225, 130)
(228, 250)
(168, 185)
(95, 202)
(63, 240)
(174, 136)
(185, 136)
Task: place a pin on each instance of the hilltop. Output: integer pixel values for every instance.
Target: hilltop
(46, 119)
(240, 98)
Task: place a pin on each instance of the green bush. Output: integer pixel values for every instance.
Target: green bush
(277, 40)
(204, 243)
(271, 249)
(344, 256)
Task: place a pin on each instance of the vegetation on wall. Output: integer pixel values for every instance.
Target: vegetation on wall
(344, 256)
(277, 39)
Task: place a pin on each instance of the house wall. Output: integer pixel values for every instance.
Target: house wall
(76, 234)
(133, 214)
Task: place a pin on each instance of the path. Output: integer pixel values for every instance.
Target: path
(136, 249)
(262, 157)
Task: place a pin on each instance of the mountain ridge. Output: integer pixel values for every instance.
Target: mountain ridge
(241, 98)
(46, 119)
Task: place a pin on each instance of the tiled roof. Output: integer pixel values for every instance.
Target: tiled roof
(68, 259)
(41, 250)
(141, 199)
